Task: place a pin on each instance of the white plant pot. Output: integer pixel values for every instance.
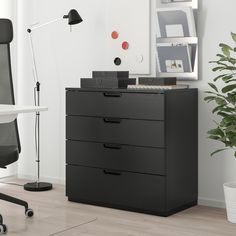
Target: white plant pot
(230, 200)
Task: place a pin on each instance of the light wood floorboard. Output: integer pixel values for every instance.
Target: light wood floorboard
(54, 215)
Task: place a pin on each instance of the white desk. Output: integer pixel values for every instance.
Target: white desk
(9, 113)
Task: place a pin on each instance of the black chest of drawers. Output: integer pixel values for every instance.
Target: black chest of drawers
(132, 150)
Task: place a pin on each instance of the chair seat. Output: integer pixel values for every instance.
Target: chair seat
(8, 155)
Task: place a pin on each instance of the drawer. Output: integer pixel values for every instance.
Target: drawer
(116, 157)
(98, 186)
(115, 104)
(112, 130)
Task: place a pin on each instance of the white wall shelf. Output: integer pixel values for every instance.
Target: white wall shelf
(170, 3)
(186, 60)
(190, 40)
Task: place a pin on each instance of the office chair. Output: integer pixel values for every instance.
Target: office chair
(9, 137)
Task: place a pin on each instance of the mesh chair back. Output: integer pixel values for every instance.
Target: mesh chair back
(8, 132)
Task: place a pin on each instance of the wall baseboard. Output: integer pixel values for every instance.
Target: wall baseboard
(8, 176)
(43, 179)
(211, 202)
(201, 200)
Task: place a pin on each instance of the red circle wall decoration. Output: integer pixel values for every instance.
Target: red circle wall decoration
(125, 45)
(115, 35)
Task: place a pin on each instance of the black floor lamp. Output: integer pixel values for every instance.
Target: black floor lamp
(73, 18)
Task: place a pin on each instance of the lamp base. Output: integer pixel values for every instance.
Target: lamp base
(37, 186)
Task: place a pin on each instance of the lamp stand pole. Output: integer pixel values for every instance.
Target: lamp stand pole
(36, 186)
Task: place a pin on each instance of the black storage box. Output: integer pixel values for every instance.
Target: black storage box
(107, 83)
(110, 75)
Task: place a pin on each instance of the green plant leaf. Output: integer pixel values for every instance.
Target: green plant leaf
(224, 45)
(215, 137)
(229, 81)
(235, 154)
(222, 64)
(231, 137)
(228, 118)
(221, 68)
(216, 132)
(224, 58)
(231, 128)
(230, 68)
(218, 108)
(219, 150)
(218, 68)
(225, 51)
(228, 77)
(223, 114)
(220, 55)
(220, 101)
(210, 92)
(228, 109)
(213, 86)
(220, 76)
(231, 99)
(232, 61)
(233, 35)
(228, 88)
(209, 98)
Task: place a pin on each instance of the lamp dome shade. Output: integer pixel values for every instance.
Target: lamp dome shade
(73, 17)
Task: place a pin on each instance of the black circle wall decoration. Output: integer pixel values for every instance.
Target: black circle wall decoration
(117, 61)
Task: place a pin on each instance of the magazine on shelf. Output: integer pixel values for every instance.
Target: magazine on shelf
(175, 22)
(174, 58)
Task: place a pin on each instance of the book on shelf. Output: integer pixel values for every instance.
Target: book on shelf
(156, 87)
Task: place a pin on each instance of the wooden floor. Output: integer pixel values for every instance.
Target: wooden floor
(54, 215)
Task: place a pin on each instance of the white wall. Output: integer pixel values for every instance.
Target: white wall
(62, 58)
(65, 57)
(8, 10)
(216, 21)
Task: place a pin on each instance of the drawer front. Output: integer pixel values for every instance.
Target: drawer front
(116, 157)
(110, 130)
(133, 190)
(114, 104)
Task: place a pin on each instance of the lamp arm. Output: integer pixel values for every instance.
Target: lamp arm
(44, 24)
(30, 30)
(35, 72)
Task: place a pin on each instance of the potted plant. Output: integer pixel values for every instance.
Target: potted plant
(223, 93)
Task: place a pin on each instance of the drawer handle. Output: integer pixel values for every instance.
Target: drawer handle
(112, 146)
(112, 95)
(112, 120)
(111, 173)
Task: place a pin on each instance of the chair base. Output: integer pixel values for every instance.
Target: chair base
(28, 212)
(13, 200)
(37, 186)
